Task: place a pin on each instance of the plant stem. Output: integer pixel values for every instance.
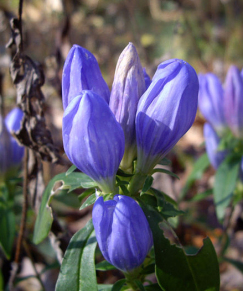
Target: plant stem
(137, 183)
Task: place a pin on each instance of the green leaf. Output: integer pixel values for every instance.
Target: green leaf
(224, 185)
(158, 170)
(71, 169)
(68, 199)
(44, 218)
(86, 193)
(118, 285)
(139, 285)
(104, 266)
(89, 201)
(7, 230)
(202, 195)
(235, 263)
(165, 162)
(167, 209)
(147, 184)
(177, 271)
(78, 269)
(199, 167)
(77, 180)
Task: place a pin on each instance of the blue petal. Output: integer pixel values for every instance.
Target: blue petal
(127, 88)
(211, 101)
(81, 72)
(165, 111)
(233, 101)
(122, 232)
(212, 141)
(93, 139)
(13, 123)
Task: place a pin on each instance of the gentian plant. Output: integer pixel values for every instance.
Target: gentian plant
(115, 140)
(222, 108)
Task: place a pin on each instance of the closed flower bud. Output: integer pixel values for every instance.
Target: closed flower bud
(122, 232)
(5, 148)
(233, 101)
(81, 72)
(127, 88)
(93, 139)
(212, 141)
(210, 101)
(165, 112)
(13, 123)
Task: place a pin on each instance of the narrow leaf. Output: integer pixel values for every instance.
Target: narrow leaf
(71, 169)
(78, 269)
(44, 218)
(7, 230)
(118, 285)
(202, 195)
(224, 185)
(147, 184)
(235, 263)
(158, 170)
(139, 285)
(104, 266)
(89, 201)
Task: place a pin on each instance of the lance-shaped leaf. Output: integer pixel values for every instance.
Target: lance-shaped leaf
(175, 270)
(78, 267)
(44, 218)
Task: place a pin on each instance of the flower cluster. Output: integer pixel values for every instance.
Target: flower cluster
(222, 108)
(11, 152)
(132, 128)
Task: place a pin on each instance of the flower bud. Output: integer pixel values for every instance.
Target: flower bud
(5, 148)
(81, 72)
(127, 88)
(233, 101)
(165, 112)
(13, 123)
(212, 141)
(210, 101)
(122, 232)
(93, 139)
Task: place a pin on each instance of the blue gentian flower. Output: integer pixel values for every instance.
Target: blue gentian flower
(13, 124)
(165, 112)
(93, 139)
(233, 101)
(212, 142)
(122, 232)
(127, 88)
(81, 72)
(210, 101)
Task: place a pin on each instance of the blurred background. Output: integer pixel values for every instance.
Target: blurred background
(206, 33)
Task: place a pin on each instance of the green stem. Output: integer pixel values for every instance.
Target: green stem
(137, 183)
